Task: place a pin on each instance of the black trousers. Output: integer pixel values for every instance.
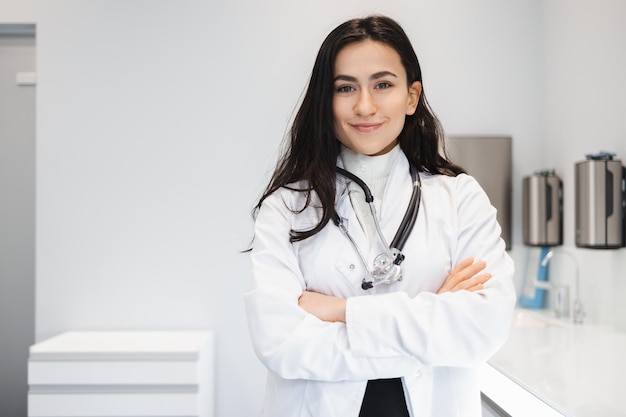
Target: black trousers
(384, 398)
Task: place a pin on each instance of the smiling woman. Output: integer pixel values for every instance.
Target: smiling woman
(339, 335)
(372, 97)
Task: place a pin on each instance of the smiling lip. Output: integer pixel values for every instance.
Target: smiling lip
(366, 127)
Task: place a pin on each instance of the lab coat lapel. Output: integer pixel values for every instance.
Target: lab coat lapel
(347, 262)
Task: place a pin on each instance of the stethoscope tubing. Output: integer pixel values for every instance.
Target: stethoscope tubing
(408, 222)
(393, 251)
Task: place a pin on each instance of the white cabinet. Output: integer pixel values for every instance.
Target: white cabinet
(122, 373)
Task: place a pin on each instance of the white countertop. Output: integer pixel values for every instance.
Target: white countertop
(122, 345)
(578, 369)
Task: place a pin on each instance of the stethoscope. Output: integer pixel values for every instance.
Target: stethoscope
(386, 266)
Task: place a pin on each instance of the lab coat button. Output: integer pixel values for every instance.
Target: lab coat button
(417, 373)
(351, 267)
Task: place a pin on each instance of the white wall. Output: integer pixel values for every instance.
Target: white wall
(159, 120)
(17, 11)
(583, 109)
(141, 209)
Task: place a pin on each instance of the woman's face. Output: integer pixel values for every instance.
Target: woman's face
(371, 97)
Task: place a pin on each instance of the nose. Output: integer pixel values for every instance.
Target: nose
(365, 105)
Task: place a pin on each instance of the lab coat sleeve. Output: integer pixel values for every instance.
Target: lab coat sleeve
(289, 341)
(455, 328)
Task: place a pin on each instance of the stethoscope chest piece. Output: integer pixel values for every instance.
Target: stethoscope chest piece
(384, 271)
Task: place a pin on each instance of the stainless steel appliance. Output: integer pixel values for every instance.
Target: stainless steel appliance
(542, 210)
(600, 202)
(489, 160)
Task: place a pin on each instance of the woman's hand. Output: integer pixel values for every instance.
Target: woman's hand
(324, 307)
(465, 277)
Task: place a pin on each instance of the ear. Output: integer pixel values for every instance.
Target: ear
(415, 91)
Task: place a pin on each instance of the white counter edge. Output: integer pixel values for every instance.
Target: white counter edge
(512, 397)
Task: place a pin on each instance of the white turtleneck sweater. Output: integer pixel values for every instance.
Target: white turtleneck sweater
(374, 171)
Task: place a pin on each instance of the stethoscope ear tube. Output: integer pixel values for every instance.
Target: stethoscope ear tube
(369, 198)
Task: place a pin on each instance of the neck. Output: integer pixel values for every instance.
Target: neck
(369, 168)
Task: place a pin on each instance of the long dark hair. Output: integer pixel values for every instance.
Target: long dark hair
(310, 155)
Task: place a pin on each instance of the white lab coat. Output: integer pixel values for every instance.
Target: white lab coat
(434, 342)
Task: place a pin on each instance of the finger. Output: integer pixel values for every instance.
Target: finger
(474, 269)
(462, 265)
(476, 287)
(487, 277)
(471, 282)
(466, 273)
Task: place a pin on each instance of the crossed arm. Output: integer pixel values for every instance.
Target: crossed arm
(465, 276)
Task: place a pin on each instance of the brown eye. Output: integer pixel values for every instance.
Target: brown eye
(345, 89)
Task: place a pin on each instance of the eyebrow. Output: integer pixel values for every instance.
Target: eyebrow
(375, 76)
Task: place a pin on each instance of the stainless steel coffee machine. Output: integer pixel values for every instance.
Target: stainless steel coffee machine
(600, 202)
